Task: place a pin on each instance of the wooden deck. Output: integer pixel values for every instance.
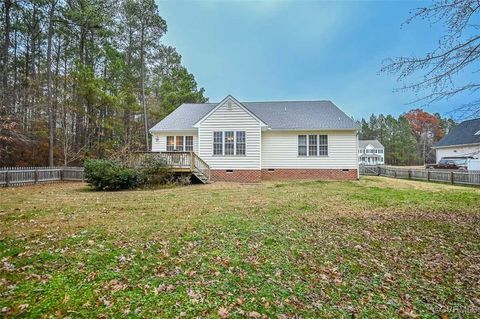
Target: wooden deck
(179, 162)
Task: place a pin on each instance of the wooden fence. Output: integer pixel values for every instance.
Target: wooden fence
(16, 176)
(445, 176)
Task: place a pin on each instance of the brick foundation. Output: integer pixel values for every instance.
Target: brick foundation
(322, 174)
(236, 175)
(255, 176)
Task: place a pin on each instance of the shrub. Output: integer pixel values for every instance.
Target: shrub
(109, 175)
(156, 172)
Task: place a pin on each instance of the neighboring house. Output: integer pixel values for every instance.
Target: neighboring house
(371, 152)
(462, 140)
(253, 141)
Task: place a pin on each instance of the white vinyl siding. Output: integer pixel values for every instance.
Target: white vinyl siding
(159, 140)
(471, 150)
(281, 150)
(230, 119)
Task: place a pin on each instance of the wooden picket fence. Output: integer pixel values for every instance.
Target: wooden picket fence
(17, 176)
(429, 175)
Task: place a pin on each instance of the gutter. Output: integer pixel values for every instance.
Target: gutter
(456, 145)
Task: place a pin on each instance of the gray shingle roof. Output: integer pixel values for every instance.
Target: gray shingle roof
(285, 115)
(463, 133)
(374, 143)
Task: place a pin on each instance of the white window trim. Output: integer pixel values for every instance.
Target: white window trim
(318, 146)
(234, 143)
(184, 140)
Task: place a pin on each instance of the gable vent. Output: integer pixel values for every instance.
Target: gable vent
(229, 105)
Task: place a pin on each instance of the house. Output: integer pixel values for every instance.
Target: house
(463, 140)
(371, 152)
(254, 141)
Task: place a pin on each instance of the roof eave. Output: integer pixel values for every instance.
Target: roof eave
(456, 145)
(313, 129)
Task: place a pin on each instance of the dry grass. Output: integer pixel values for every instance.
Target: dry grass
(378, 247)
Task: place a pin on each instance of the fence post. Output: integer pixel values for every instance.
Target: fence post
(428, 176)
(35, 176)
(410, 174)
(61, 174)
(451, 177)
(6, 178)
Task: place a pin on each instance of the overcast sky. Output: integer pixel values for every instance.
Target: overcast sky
(302, 50)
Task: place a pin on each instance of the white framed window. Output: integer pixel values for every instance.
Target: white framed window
(312, 145)
(240, 143)
(179, 143)
(189, 143)
(323, 145)
(217, 143)
(302, 145)
(229, 143)
(170, 143)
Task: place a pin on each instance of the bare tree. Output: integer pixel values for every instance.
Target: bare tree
(458, 51)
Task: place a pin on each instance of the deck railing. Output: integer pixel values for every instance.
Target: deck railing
(176, 160)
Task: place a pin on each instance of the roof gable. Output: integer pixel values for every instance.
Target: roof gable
(463, 133)
(228, 101)
(372, 143)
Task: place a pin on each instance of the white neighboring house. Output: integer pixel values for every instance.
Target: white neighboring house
(463, 140)
(254, 141)
(371, 152)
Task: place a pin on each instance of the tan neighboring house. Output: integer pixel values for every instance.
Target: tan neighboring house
(254, 141)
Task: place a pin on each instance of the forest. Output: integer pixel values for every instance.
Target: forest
(408, 139)
(84, 78)
(87, 78)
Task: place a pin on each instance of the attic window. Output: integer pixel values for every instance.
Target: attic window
(478, 133)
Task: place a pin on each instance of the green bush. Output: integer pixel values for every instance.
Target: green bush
(156, 172)
(109, 175)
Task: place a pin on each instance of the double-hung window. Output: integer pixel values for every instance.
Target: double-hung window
(228, 143)
(240, 143)
(189, 143)
(313, 145)
(302, 145)
(323, 145)
(217, 143)
(170, 143)
(179, 143)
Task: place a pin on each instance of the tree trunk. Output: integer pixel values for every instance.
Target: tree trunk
(51, 126)
(142, 57)
(7, 5)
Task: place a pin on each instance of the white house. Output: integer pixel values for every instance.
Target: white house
(371, 152)
(463, 140)
(254, 141)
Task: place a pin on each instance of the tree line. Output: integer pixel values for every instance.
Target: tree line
(408, 139)
(84, 78)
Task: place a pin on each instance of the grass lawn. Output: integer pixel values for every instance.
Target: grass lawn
(374, 248)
